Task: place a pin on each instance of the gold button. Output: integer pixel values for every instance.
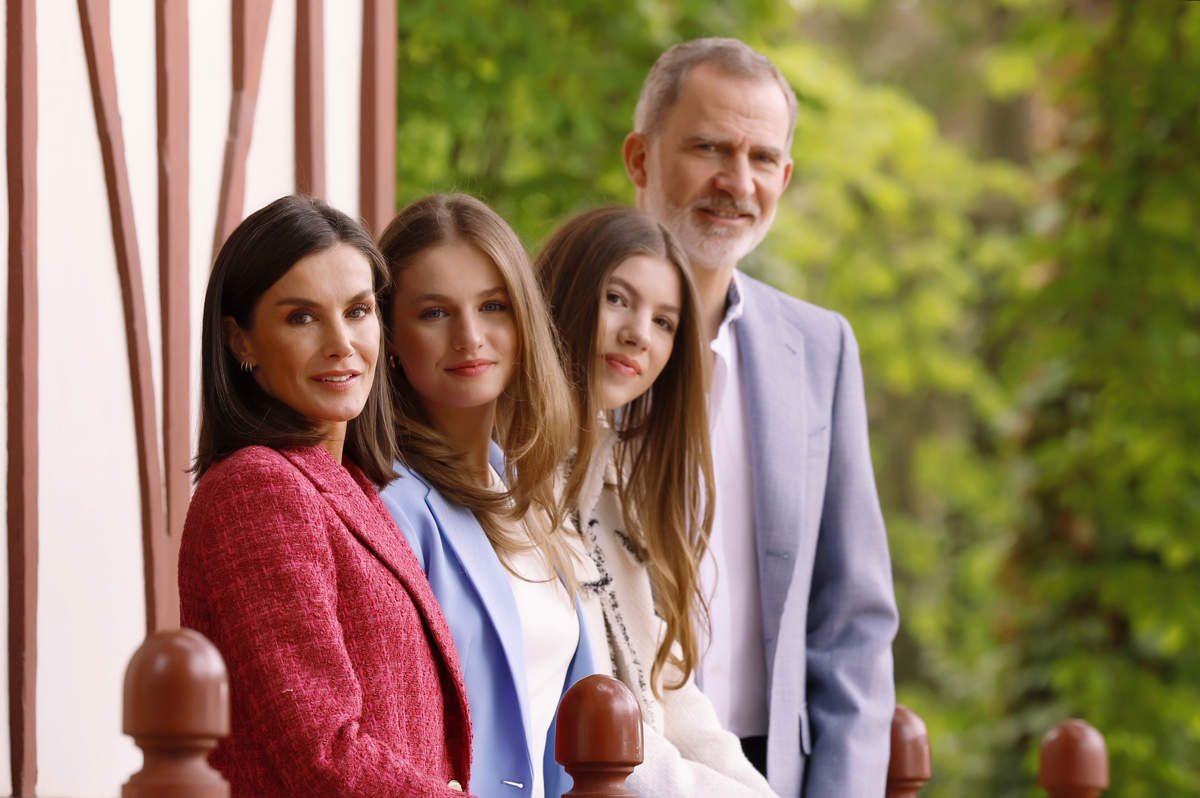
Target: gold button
(454, 785)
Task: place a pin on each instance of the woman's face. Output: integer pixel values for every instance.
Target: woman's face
(453, 328)
(314, 337)
(639, 312)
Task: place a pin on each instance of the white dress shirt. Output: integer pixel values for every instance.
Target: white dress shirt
(733, 670)
(550, 629)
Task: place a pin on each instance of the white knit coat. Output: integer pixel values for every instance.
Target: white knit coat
(686, 751)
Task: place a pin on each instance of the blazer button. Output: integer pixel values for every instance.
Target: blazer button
(454, 785)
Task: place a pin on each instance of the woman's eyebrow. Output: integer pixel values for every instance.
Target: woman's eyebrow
(435, 297)
(637, 295)
(305, 302)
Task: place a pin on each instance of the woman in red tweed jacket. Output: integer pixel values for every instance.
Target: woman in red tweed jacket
(343, 676)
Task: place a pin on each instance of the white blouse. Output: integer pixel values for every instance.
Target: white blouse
(550, 632)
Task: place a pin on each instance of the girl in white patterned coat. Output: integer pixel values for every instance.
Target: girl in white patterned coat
(625, 308)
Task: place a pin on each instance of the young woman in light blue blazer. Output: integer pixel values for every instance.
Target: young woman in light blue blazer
(484, 419)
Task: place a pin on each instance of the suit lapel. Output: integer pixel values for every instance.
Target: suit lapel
(774, 389)
(775, 395)
(370, 522)
(481, 568)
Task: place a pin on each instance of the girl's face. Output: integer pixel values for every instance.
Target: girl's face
(314, 337)
(639, 312)
(453, 328)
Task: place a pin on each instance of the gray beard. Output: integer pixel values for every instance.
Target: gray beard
(706, 248)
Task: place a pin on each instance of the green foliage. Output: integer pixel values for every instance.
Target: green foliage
(525, 105)
(1002, 197)
(1105, 341)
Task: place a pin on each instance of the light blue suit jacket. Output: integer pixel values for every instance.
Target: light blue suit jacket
(829, 611)
(471, 585)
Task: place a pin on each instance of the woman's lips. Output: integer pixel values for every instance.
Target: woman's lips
(337, 380)
(470, 368)
(623, 365)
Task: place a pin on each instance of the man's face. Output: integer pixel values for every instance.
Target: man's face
(714, 170)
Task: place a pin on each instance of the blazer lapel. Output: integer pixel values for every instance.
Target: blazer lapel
(345, 488)
(775, 395)
(466, 540)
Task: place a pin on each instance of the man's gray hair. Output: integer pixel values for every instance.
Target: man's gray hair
(732, 57)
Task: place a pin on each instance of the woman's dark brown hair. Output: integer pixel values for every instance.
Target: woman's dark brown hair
(662, 452)
(234, 410)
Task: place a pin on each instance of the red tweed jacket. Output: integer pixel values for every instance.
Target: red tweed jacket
(343, 676)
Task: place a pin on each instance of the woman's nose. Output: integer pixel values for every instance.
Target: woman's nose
(338, 344)
(635, 332)
(467, 337)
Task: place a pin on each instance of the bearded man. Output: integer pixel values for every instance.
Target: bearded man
(802, 612)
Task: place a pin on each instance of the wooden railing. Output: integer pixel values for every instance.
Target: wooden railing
(177, 709)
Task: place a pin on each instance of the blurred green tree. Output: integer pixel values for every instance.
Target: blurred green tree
(1103, 346)
(1002, 196)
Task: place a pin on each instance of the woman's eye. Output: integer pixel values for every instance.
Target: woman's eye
(360, 311)
(300, 317)
(431, 313)
(613, 298)
(665, 323)
(494, 307)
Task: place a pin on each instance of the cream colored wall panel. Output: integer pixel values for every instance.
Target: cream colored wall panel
(91, 608)
(343, 86)
(270, 166)
(209, 54)
(133, 56)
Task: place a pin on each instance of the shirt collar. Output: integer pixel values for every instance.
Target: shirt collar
(734, 306)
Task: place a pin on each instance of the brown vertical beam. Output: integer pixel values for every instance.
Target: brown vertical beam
(171, 67)
(377, 154)
(310, 97)
(97, 45)
(21, 110)
(250, 22)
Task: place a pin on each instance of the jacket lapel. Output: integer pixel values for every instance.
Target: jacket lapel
(481, 568)
(775, 394)
(345, 488)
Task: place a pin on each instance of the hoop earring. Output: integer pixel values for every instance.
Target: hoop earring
(247, 366)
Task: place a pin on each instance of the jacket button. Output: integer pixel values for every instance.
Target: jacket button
(454, 785)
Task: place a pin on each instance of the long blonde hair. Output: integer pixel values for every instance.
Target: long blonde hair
(662, 451)
(534, 415)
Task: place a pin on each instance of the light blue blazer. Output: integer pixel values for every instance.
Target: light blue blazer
(471, 585)
(829, 612)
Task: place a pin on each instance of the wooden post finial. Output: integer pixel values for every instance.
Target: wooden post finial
(176, 710)
(1073, 761)
(599, 737)
(911, 764)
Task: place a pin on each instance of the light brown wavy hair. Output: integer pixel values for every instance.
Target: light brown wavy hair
(535, 418)
(662, 451)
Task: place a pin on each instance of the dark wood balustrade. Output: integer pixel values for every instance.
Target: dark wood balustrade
(598, 740)
(911, 764)
(1073, 761)
(177, 709)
